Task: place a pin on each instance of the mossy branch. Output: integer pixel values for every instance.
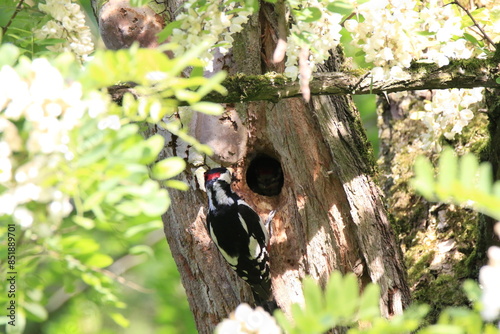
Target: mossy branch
(274, 87)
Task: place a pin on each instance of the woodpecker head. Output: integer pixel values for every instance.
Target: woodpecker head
(217, 175)
(218, 188)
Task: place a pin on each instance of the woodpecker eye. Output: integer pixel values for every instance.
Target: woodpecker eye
(265, 176)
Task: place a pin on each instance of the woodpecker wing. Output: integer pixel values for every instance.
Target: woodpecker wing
(256, 228)
(254, 268)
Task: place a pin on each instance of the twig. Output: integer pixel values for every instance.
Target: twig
(347, 18)
(18, 9)
(279, 53)
(485, 36)
(114, 271)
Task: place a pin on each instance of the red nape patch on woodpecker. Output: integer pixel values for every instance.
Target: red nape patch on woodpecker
(211, 176)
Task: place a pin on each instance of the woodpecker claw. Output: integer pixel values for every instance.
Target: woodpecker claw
(268, 224)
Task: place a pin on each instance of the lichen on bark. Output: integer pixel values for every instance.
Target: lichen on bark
(439, 241)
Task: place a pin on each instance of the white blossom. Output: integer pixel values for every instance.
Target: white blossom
(447, 114)
(393, 33)
(68, 23)
(210, 24)
(50, 108)
(23, 217)
(322, 36)
(109, 122)
(489, 276)
(245, 320)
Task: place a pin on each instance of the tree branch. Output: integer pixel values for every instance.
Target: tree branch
(274, 87)
(485, 35)
(18, 8)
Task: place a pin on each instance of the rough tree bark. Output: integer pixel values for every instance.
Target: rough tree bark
(442, 244)
(330, 213)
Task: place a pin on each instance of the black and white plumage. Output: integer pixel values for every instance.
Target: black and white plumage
(239, 234)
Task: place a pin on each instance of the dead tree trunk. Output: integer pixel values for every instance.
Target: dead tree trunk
(330, 213)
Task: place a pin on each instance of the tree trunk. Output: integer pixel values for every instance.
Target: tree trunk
(330, 213)
(443, 244)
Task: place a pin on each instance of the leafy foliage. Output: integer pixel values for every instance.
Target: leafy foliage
(340, 304)
(107, 174)
(463, 181)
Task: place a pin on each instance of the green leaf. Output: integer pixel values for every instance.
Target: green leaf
(155, 206)
(468, 171)
(342, 7)
(120, 319)
(94, 200)
(442, 329)
(176, 184)
(312, 295)
(470, 38)
(141, 249)
(208, 108)
(8, 54)
(369, 303)
(91, 279)
(214, 84)
(93, 155)
(349, 295)
(308, 14)
(130, 208)
(138, 3)
(447, 173)
(76, 244)
(332, 293)
(187, 95)
(472, 290)
(496, 189)
(423, 182)
(152, 225)
(51, 41)
(168, 168)
(84, 222)
(99, 260)
(20, 323)
(145, 152)
(36, 311)
(283, 321)
(167, 31)
(485, 182)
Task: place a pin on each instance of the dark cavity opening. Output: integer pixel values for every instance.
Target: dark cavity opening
(265, 176)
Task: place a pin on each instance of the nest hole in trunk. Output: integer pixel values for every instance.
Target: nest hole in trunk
(264, 175)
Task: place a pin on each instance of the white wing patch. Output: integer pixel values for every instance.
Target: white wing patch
(243, 223)
(254, 247)
(262, 226)
(233, 261)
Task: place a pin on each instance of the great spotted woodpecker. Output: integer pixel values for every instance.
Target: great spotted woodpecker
(239, 234)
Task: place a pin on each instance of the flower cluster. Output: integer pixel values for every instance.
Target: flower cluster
(489, 276)
(68, 23)
(245, 320)
(320, 36)
(208, 24)
(38, 109)
(447, 113)
(393, 33)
